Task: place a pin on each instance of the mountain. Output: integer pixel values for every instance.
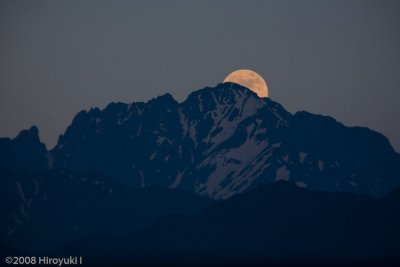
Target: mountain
(274, 224)
(160, 181)
(222, 141)
(24, 153)
(40, 211)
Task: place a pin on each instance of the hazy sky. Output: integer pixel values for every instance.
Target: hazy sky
(337, 58)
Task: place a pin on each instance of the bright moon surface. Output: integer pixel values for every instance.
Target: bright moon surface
(249, 79)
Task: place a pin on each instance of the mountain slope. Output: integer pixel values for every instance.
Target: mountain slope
(278, 223)
(225, 140)
(42, 210)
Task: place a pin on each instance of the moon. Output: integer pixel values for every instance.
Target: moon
(249, 79)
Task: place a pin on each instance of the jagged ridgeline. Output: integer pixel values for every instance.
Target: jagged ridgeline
(218, 142)
(136, 183)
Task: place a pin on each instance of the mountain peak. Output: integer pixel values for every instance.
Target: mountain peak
(223, 89)
(164, 100)
(224, 140)
(31, 133)
(23, 153)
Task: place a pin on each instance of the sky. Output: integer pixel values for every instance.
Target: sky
(336, 58)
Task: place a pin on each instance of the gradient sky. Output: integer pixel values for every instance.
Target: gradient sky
(337, 58)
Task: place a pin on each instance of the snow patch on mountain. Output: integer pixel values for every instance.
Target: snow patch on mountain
(302, 156)
(282, 174)
(321, 165)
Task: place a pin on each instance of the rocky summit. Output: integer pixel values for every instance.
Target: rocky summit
(222, 141)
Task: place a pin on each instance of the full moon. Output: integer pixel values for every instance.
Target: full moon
(249, 79)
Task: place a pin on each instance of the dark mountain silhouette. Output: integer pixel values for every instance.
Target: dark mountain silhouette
(225, 140)
(278, 223)
(40, 211)
(133, 183)
(23, 153)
